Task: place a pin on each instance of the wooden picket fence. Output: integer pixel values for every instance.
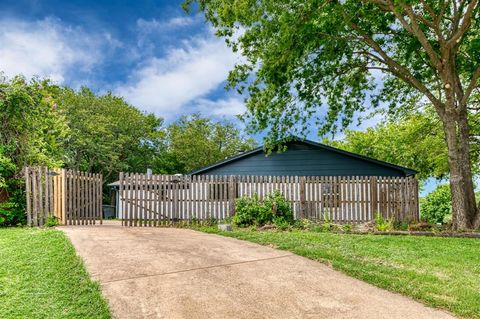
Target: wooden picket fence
(151, 200)
(71, 197)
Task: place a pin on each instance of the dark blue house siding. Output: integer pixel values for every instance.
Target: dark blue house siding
(302, 159)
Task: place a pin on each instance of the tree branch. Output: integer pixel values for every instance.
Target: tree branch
(473, 84)
(415, 30)
(397, 69)
(465, 24)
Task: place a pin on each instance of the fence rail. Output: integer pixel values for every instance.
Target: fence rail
(151, 200)
(72, 197)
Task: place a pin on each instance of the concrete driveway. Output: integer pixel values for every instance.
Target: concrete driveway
(179, 273)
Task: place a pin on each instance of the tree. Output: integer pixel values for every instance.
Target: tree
(107, 135)
(31, 133)
(416, 141)
(352, 55)
(195, 142)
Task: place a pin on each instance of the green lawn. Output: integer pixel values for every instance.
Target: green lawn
(441, 272)
(41, 277)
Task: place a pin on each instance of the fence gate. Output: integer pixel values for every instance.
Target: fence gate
(71, 197)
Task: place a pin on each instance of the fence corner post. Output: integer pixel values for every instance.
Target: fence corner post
(64, 196)
(415, 200)
(28, 195)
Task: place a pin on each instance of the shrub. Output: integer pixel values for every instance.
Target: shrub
(12, 211)
(278, 208)
(246, 210)
(326, 225)
(303, 224)
(383, 224)
(281, 223)
(254, 211)
(400, 225)
(52, 221)
(437, 205)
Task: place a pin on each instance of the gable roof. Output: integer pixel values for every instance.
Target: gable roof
(405, 170)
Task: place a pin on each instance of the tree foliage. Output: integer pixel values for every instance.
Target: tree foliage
(107, 135)
(304, 54)
(437, 205)
(416, 141)
(356, 56)
(32, 131)
(195, 141)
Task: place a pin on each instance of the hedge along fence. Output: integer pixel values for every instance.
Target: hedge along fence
(72, 197)
(151, 200)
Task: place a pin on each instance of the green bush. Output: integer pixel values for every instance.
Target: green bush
(274, 208)
(383, 224)
(52, 221)
(246, 210)
(12, 212)
(436, 207)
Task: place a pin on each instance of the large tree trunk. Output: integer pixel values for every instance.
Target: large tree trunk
(465, 214)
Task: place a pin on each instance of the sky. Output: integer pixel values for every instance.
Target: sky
(152, 53)
(156, 56)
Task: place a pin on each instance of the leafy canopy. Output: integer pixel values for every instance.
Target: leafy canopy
(32, 130)
(347, 55)
(415, 140)
(195, 141)
(107, 135)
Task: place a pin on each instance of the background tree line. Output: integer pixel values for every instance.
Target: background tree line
(45, 124)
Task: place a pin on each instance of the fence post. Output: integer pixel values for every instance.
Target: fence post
(100, 196)
(231, 194)
(373, 194)
(63, 209)
(28, 195)
(303, 200)
(120, 197)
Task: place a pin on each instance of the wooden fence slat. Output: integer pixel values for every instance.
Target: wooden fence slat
(150, 199)
(40, 195)
(88, 195)
(127, 187)
(28, 194)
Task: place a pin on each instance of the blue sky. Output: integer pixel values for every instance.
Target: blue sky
(156, 56)
(152, 53)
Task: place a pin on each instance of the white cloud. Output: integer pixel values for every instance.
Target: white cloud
(228, 107)
(152, 25)
(169, 85)
(47, 48)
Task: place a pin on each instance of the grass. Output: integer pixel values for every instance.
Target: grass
(440, 272)
(42, 277)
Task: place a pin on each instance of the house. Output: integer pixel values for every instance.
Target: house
(303, 158)
(314, 177)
